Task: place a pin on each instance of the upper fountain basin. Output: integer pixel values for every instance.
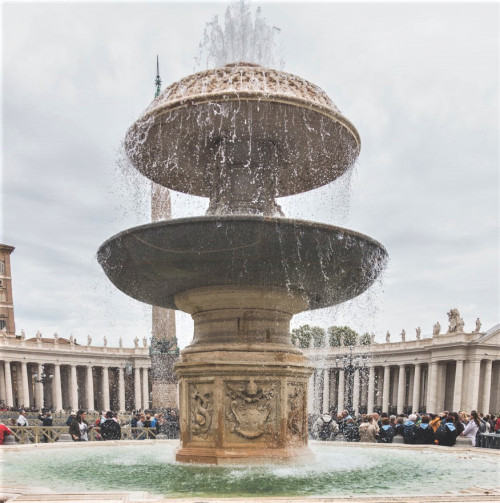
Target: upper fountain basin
(327, 265)
(242, 115)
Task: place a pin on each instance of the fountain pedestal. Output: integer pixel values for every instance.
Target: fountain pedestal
(243, 386)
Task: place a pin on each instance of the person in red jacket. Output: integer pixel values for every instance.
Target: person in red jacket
(4, 431)
(497, 425)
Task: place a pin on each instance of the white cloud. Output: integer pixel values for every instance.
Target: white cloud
(419, 81)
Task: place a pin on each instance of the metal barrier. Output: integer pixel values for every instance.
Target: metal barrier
(51, 434)
(489, 440)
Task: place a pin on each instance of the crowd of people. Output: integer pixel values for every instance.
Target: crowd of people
(435, 429)
(143, 424)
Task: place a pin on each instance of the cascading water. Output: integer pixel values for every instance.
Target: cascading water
(242, 135)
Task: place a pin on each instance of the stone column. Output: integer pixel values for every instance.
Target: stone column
(340, 400)
(121, 390)
(333, 389)
(415, 403)
(3, 393)
(474, 380)
(73, 390)
(105, 389)
(25, 384)
(90, 388)
(39, 388)
(370, 406)
(432, 386)
(9, 399)
(318, 397)
(310, 394)
(485, 403)
(137, 388)
(326, 391)
(56, 387)
(355, 391)
(401, 389)
(457, 389)
(387, 384)
(145, 388)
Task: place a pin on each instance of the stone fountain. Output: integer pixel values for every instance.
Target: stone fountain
(242, 135)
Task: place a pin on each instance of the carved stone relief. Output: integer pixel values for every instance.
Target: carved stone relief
(251, 408)
(296, 406)
(201, 410)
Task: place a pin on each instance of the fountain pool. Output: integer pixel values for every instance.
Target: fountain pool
(345, 471)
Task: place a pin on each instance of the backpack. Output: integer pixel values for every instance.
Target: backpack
(424, 434)
(446, 434)
(325, 431)
(409, 432)
(386, 434)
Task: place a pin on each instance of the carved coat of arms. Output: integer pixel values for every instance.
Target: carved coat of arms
(251, 409)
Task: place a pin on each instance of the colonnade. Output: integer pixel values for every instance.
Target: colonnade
(408, 387)
(76, 377)
(90, 387)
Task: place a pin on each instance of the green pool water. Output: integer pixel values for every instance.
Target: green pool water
(337, 470)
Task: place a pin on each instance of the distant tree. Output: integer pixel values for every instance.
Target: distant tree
(365, 339)
(305, 334)
(341, 336)
(318, 337)
(301, 336)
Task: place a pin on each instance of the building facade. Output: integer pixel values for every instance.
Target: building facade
(7, 323)
(76, 376)
(453, 371)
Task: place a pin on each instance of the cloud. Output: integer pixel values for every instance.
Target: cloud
(419, 81)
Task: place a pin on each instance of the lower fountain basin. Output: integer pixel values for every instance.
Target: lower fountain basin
(339, 470)
(325, 264)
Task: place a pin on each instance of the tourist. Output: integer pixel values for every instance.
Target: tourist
(71, 418)
(446, 433)
(140, 425)
(472, 428)
(497, 425)
(79, 428)
(133, 424)
(424, 434)
(410, 429)
(457, 423)
(386, 432)
(483, 428)
(172, 423)
(464, 418)
(47, 422)
(21, 420)
(351, 431)
(110, 428)
(325, 428)
(367, 430)
(4, 431)
(435, 422)
(400, 427)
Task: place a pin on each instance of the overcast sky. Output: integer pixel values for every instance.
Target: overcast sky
(419, 81)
